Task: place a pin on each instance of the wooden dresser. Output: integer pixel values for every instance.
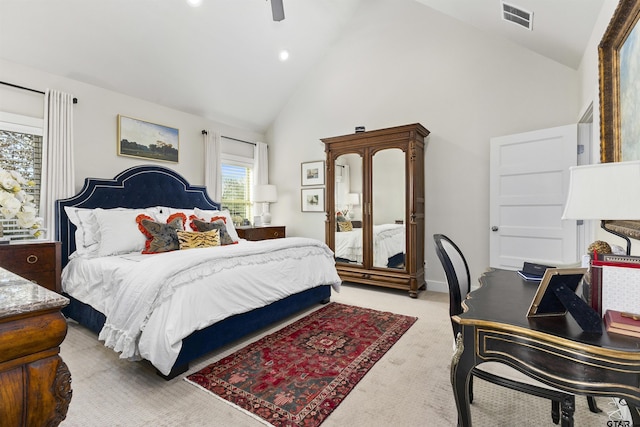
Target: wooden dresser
(262, 232)
(35, 384)
(38, 261)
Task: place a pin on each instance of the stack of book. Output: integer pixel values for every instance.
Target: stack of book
(533, 272)
(622, 323)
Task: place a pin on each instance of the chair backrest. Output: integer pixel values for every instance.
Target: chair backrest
(457, 272)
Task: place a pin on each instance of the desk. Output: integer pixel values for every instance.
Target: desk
(554, 350)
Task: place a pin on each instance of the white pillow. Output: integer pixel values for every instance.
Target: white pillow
(207, 215)
(87, 230)
(119, 231)
(164, 213)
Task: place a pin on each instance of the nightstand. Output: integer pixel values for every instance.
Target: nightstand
(261, 232)
(38, 261)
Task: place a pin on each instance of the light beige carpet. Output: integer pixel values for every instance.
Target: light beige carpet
(409, 386)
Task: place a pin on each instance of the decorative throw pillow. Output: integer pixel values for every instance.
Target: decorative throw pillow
(207, 215)
(160, 237)
(345, 226)
(195, 239)
(218, 224)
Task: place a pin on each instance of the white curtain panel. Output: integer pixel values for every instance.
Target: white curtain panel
(261, 168)
(57, 180)
(261, 164)
(212, 165)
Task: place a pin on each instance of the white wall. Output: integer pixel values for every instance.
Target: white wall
(95, 123)
(401, 62)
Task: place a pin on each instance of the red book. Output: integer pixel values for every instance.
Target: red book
(619, 320)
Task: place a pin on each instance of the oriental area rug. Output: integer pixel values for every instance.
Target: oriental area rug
(298, 375)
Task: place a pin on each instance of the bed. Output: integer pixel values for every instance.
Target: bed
(388, 246)
(172, 307)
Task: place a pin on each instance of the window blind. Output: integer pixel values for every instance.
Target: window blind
(21, 152)
(236, 191)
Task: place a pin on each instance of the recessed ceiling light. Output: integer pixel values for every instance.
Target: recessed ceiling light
(194, 3)
(284, 55)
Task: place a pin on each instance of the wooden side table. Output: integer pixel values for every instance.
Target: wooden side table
(35, 383)
(38, 261)
(262, 232)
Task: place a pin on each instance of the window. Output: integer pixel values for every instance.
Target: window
(21, 150)
(237, 177)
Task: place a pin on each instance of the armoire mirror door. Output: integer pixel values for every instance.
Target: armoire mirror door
(388, 208)
(349, 239)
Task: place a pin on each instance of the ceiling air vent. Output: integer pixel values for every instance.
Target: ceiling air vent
(517, 16)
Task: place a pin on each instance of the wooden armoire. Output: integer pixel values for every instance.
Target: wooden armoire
(376, 206)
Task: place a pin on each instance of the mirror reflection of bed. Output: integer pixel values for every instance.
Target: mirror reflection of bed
(387, 210)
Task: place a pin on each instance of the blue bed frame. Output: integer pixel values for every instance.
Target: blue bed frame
(147, 186)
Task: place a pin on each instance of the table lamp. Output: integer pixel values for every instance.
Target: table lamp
(353, 199)
(605, 191)
(265, 194)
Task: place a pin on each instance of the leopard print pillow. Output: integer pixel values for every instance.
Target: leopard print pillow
(195, 239)
(345, 226)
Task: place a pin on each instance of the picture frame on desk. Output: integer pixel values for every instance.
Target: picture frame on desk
(546, 302)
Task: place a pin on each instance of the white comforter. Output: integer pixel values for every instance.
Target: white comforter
(152, 302)
(388, 240)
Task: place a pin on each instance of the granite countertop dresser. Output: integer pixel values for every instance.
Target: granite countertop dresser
(35, 383)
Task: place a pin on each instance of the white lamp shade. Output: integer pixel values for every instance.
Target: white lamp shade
(354, 199)
(265, 193)
(604, 191)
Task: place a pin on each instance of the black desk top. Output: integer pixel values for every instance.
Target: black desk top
(503, 300)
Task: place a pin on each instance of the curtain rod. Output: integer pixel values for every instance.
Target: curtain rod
(204, 132)
(75, 100)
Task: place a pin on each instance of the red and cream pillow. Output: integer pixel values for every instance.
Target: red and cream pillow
(161, 237)
(209, 215)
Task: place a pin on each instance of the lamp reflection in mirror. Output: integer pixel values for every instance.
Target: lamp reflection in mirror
(353, 199)
(604, 191)
(265, 194)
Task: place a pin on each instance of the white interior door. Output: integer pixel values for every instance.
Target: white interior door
(529, 178)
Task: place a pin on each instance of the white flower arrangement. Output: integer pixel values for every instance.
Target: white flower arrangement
(16, 203)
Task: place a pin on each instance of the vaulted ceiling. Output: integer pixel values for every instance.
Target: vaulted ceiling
(221, 60)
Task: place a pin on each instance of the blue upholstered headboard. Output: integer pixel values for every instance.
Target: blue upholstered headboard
(137, 187)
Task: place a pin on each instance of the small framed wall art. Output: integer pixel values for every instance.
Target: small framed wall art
(138, 138)
(313, 173)
(312, 199)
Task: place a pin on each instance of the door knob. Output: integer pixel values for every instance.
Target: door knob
(494, 228)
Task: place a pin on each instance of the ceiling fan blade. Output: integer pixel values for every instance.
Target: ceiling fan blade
(277, 9)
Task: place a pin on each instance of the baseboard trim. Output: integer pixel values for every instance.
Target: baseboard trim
(437, 286)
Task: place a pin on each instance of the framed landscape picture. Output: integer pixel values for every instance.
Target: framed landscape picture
(619, 59)
(313, 173)
(138, 138)
(313, 200)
